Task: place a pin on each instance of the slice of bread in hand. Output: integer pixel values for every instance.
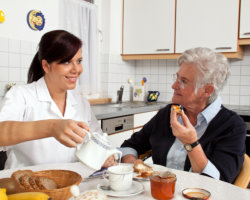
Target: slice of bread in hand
(45, 183)
(141, 168)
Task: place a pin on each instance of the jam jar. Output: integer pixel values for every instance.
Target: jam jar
(163, 186)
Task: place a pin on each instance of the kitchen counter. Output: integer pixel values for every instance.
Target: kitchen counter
(105, 111)
(241, 110)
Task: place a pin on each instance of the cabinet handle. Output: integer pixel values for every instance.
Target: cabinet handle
(162, 49)
(247, 33)
(221, 48)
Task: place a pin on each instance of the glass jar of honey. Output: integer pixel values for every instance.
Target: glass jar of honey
(163, 186)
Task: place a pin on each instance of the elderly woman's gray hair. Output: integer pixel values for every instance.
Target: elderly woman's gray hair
(213, 67)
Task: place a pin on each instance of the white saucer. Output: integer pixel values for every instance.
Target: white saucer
(136, 188)
(139, 178)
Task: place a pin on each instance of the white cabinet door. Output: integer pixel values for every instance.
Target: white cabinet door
(118, 138)
(207, 23)
(142, 118)
(245, 19)
(148, 26)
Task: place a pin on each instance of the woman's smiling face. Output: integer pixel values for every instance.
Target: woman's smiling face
(63, 75)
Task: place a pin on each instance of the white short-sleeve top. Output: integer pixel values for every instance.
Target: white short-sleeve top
(32, 102)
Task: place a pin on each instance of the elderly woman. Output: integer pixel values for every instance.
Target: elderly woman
(206, 137)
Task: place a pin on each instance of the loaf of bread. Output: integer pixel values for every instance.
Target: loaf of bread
(143, 169)
(28, 181)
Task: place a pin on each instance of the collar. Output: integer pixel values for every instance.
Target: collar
(44, 95)
(211, 110)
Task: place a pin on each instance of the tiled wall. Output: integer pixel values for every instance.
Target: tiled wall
(15, 58)
(159, 75)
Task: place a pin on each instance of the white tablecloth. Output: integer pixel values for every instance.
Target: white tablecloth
(219, 190)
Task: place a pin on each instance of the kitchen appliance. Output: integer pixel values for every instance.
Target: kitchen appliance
(117, 124)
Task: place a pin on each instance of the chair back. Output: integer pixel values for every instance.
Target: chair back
(243, 178)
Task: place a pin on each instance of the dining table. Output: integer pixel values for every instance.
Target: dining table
(219, 190)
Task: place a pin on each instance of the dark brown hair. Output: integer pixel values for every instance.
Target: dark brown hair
(59, 46)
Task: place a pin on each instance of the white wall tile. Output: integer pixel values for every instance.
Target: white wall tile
(235, 70)
(4, 74)
(244, 80)
(26, 47)
(244, 100)
(14, 74)
(234, 100)
(24, 75)
(235, 80)
(154, 78)
(234, 90)
(225, 99)
(163, 70)
(14, 46)
(245, 70)
(4, 44)
(245, 90)
(26, 60)
(14, 60)
(4, 59)
(163, 79)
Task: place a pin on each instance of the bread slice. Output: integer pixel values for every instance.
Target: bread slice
(177, 109)
(18, 174)
(45, 183)
(24, 181)
(141, 168)
(32, 181)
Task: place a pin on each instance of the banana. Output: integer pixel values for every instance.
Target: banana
(3, 195)
(29, 196)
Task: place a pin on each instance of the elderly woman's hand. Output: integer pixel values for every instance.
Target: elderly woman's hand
(110, 162)
(185, 133)
(68, 132)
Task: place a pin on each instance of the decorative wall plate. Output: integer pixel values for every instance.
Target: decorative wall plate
(35, 20)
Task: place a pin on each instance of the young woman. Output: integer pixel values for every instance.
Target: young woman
(40, 122)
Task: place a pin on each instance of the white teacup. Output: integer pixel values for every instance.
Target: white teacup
(119, 176)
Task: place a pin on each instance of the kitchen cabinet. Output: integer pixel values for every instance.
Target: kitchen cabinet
(118, 138)
(178, 25)
(148, 26)
(203, 23)
(244, 33)
(142, 118)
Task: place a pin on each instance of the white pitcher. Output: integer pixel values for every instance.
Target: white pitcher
(95, 151)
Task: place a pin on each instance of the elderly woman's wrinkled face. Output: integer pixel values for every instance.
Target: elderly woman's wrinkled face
(184, 87)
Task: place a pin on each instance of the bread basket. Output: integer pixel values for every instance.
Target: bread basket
(63, 178)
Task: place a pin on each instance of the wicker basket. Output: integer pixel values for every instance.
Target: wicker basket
(64, 180)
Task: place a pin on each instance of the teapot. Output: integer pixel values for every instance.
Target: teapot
(95, 151)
